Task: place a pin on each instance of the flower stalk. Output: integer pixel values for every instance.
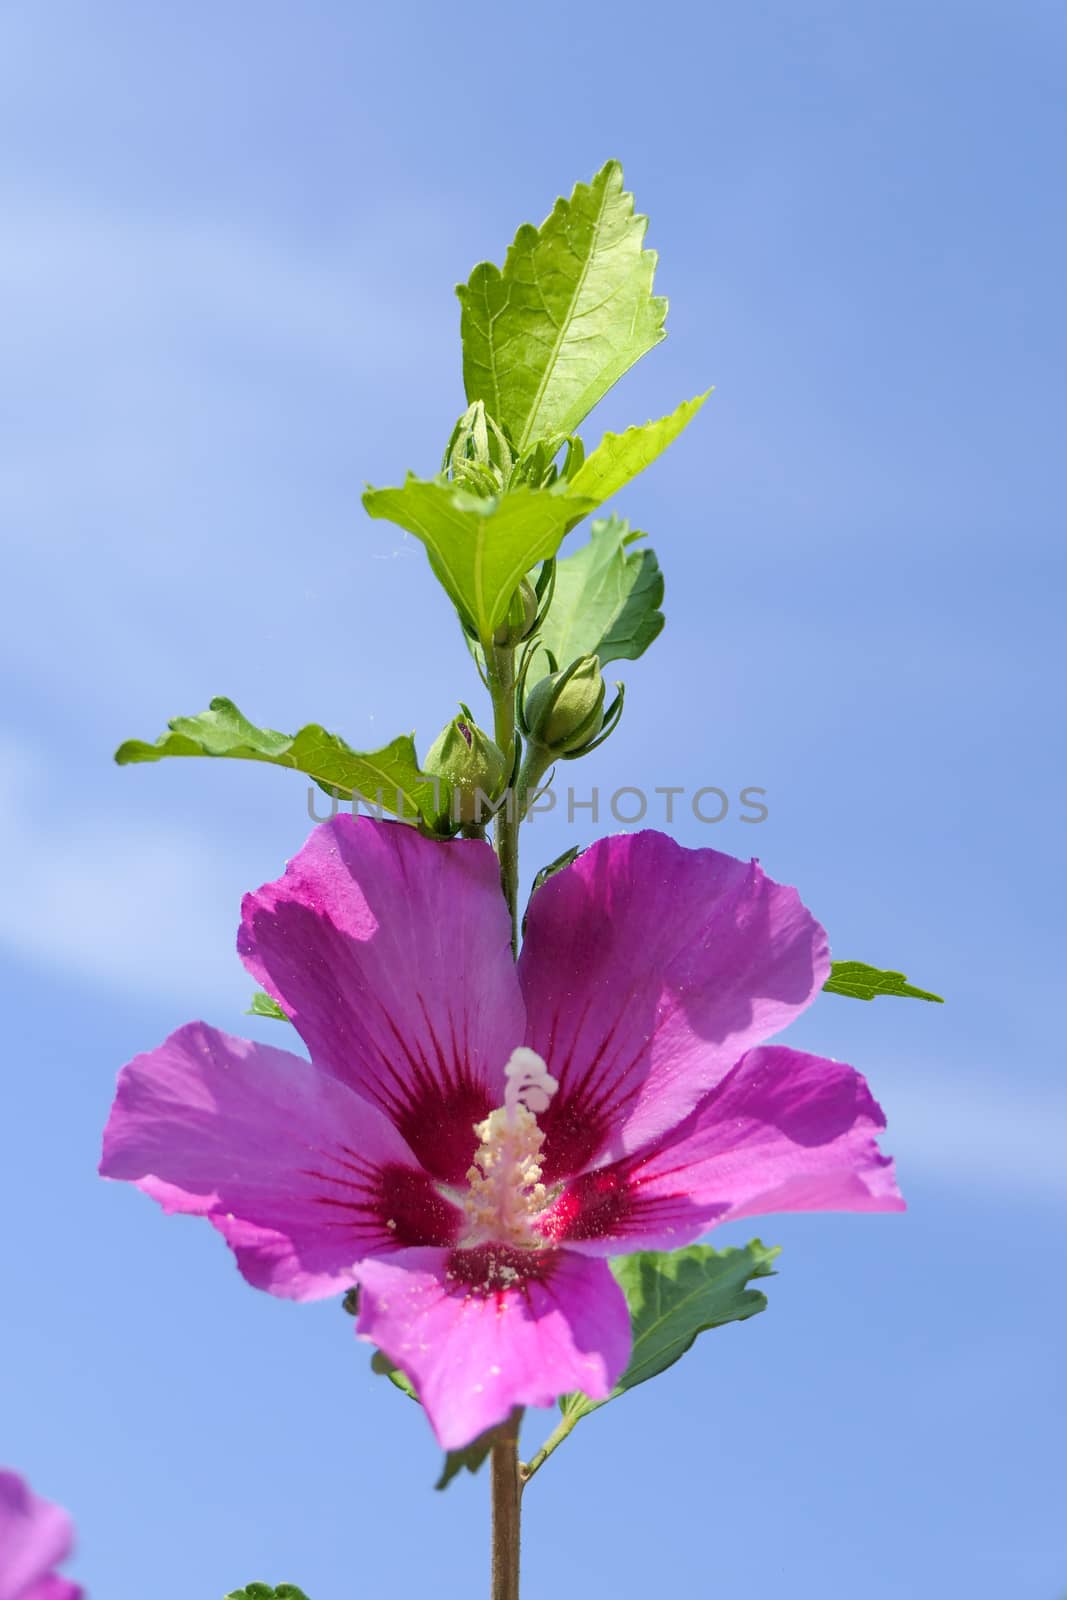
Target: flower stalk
(505, 1483)
(506, 1489)
(500, 672)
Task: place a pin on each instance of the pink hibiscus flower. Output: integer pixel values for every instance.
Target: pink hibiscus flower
(35, 1536)
(472, 1138)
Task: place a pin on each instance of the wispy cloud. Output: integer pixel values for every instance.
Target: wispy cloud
(168, 383)
(144, 910)
(92, 272)
(1002, 1137)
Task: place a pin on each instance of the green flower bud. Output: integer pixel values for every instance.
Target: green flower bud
(473, 766)
(566, 710)
(522, 614)
(478, 457)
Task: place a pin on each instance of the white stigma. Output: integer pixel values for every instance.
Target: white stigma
(505, 1192)
(529, 1082)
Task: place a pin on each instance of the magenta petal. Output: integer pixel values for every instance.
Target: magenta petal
(785, 1131)
(270, 1261)
(648, 970)
(391, 954)
(481, 1331)
(251, 1135)
(34, 1537)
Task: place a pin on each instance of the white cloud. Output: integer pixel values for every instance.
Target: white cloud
(146, 910)
(89, 274)
(1001, 1136)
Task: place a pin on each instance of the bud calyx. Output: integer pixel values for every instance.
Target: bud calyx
(473, 766)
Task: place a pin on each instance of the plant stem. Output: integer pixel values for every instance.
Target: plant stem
(506, 1491)
(505, 1484)
(500, 670)
(535, 764)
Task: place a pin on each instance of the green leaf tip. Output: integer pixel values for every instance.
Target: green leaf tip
(572, 309)
(381, 1364)
(389, 779)
(263, 1006)
(861, 982)
(619, 457)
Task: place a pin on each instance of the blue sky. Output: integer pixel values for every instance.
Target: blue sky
(230, 236)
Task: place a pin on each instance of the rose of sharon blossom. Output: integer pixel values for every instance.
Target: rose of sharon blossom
(35, 1536)
(472, 1138)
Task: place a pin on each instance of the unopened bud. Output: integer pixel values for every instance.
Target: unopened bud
(472, 765)
(522, 613)
(566, 710)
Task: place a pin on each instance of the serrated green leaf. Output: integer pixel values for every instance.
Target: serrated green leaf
(263, 1591)
(573, 309)
(480, 549)
(621, 456)
(861, 982)
(263, 1006)
(389, 777)
(606, 600)
(673, 1296)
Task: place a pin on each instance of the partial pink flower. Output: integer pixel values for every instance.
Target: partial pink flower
(471, 1138)
(35, 1536)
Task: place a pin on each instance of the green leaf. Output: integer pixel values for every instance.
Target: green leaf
(573, 309)
(553, 867)
(480, 549)
(469, 1459)
(263, 1591)
(861, 982)
(606, 600)
(621, 456)
(673, 1296)
(550, 871)
(263, 1006)
(389, 777)
(381, 1364)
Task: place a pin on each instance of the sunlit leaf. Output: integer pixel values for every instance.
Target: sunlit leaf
(621, 456)
(572, 310)
(389, 778)
(263, 1006)
(480, 548)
